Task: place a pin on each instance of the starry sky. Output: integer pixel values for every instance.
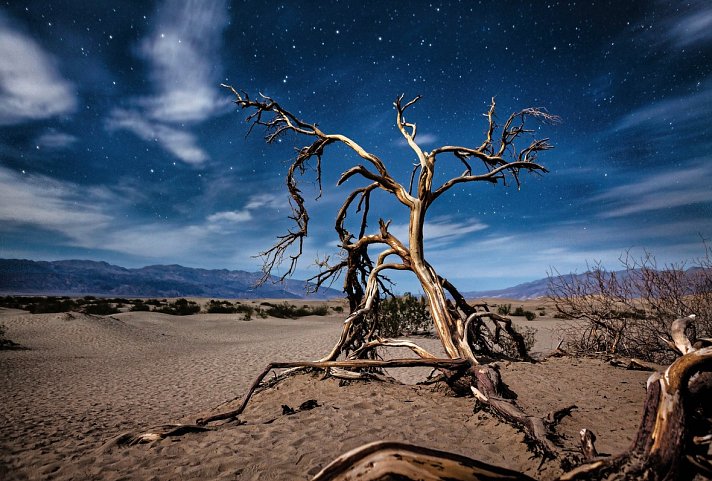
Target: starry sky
(118, 144)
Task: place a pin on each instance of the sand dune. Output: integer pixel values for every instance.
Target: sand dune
(86, 379)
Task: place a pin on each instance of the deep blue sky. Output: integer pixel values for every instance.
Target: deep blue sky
(117, 143)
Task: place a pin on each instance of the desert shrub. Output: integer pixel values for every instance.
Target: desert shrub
(542, 312)
(180, 307)
(220, 307)
(12, 302)
(509, 348)
(338, 309)
(101, 308)
(504, 309)
(50, 304)
(519, 311)
(321, 310)
(289, 311)
(282, 311)
(401, 316)
(139, 306)
(630, 312)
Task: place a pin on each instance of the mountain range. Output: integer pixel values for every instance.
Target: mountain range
(75, 277)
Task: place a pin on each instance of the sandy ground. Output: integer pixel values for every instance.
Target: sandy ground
(86, 379)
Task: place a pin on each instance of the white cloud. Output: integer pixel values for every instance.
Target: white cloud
(440, 231)
(181, 143)
(693, 27)
(499, 260)
(672, 116)
(50, 204)
(55, 140)
(267, 200)
(183, 53)
(225, 220)
(183, 57)
(421, 139)
(31, 87)
(233, 216)
(90, 217)
(664, 190)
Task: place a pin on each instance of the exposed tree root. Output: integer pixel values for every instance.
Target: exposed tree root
(492, 392)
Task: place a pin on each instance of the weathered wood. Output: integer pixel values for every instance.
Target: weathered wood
(382, 461)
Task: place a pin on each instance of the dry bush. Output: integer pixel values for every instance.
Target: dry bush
(630, 312)
(402, 316)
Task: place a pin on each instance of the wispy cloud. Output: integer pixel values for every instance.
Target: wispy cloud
(55, 140)
(226, 221)
(440, 231)
(182, 54)
(422, 140)
(663, 190)
(673, 116)
(179, 142)
(271, 201)
(31, 86)
(503, 259)
(92, 218)
(691, 27)
(53, 205)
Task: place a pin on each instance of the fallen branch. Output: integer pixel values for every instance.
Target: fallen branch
(151, 436)
(350, 364)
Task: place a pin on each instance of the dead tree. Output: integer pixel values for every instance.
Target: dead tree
(672, 442)
(470, 333)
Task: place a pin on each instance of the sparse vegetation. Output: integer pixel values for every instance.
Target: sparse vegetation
(402, 316)
(139, 306)
(289, 311)
(504, 309)
(509, 348)
(629, 313)
(529, 315)
(220, 307)
(180, 307)
(101, 308)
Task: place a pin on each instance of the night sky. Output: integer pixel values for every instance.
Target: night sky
(118, 144)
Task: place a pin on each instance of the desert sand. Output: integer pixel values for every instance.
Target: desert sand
(86, 379)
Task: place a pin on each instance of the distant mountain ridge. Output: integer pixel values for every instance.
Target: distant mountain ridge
(75, 277)
(540, 287)
(522, 292)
